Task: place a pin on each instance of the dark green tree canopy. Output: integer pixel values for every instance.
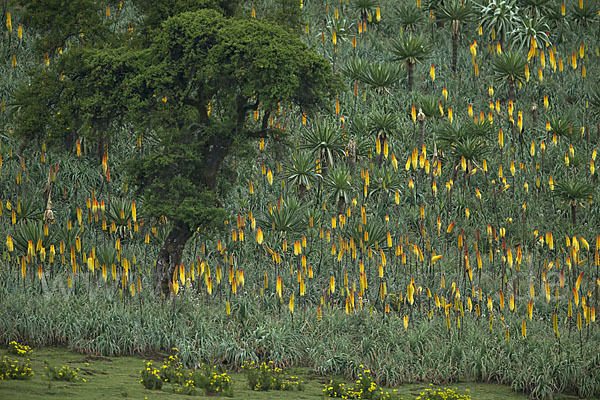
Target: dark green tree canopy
(155, 12)
(57, 21)
(199, 61)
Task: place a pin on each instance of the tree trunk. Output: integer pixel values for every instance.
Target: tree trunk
(101, 145)
(410, 67)
(302, 192)
(170, 255)
(341, 204)
(511, 89)
(454, 52)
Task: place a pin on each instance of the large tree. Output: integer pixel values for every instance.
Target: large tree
(194, 86)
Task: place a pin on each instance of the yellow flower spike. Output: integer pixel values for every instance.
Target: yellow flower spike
(578, 282)
(432, 72)
(279, 287)
(394, 162)
(8, 22)
(524, 329)
(436, 258)
(270, 177)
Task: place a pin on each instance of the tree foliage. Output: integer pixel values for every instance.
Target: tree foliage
(194, 87)
(60, 20)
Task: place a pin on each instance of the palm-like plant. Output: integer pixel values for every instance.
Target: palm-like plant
(339, 185)
(560, 125)
(355, 69)
(464, 142)
(536, 7)
(107, 256)
(502, 16)
(455, 12)
(583, 16)
(364, 7)
(67, 236)
(473, 149)
(531, 29)
(429, 105)
(119, 212)
(287, 217)
(30, 208)
(301, 173)
(382, 124)
(360, 129)
(410, 50)
(573, 192)
(324, 141)
(384, 182)
(510, 68)
(409, 17)
(30, 231)
(341, 26)
(556, 18)
(381, 76)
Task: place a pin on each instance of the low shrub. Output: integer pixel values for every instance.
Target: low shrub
(15, 369)
(151, 377)
(19, 349)
(364, 388)
(442, 394)
(64, 373)
(267, 376)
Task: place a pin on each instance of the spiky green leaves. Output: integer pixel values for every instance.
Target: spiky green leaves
(509, 68)
(411, 50)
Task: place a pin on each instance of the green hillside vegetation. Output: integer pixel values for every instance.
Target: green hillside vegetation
(407, 187)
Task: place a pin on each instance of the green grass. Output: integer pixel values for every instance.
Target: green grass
(118, 377)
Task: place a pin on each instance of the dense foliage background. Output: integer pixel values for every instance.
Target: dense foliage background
(412, 188)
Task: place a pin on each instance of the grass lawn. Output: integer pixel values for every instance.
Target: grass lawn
(114, 378)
